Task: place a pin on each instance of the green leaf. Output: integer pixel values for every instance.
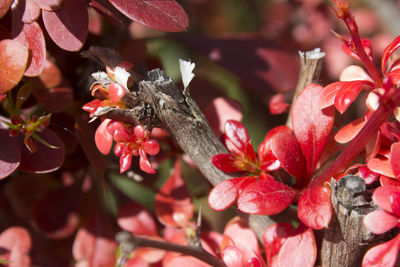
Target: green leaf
(134, 190)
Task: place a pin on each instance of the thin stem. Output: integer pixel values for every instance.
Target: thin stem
(358, 143)
(197, 252)
(355, 38)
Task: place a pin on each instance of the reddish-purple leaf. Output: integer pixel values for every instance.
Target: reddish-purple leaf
(273, 239)
(13, 60)
(85, 136)
(10, 154)
(68, 26)
(56, 213)
(5, 6)
(55, 99)
(15, 243)
(173, 204)
(157, 14)
(220, 110)
(45, 159)
(268, 67)
(311, 125)
(379, 221)
(299, 250)
(314, 207)
(383, 255)
(388, 199)
(49, 5)
(394, 159)
(134, 218)
(266, 197)
(286, 149)
(32, 37)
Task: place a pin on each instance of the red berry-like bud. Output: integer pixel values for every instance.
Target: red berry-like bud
(13, 132)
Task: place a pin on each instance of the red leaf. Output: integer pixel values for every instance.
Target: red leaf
(13, 60)
(157, 14)
(94, 244)
(173, 204)
(238, 140)
(299, 250)
(379, 221)
(311, 125)
(32, 37)
(226, 163)
(277, 105)
(68, 26)
(266, 197)
(103, 138)
(45, 159)
(381, 166)
(55, 99)
(10, 154)
(286, 149)
(348, 132)
(273, 239)
(220, 110)
(5, 6)
(385, 181)
(328, 94)
(232, 256)
(30, 11)
(242, 236)
(348, 93)
(15, 243)
(174, 260)
(222, 195)
(134, 218)
(382, 255)
(394, 159)
(388, 199)
(393, 46)
(314, 207)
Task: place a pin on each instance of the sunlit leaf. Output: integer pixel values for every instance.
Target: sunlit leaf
(299, 250)
(394, 159)
(266, 197)
(68, 26)
(382, 255)
(311, 125)
(241, 234)
(173, 205)
(379, 221)
(388, 199)
(315, 208)
(380, 165)
(136, 219)
(157, 14)
(49, 5)
(15, 243)
(13, 60)
(389, 50)
(32, 37)
(274, 237)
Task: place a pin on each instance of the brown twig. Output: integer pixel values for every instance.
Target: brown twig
(310, 69)
(128, 242)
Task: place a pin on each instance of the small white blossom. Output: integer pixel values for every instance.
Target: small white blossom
(187, 68)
